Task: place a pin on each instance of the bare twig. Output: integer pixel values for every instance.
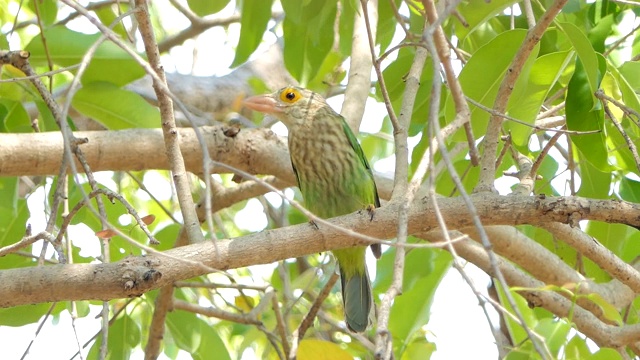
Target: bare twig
(487, 165)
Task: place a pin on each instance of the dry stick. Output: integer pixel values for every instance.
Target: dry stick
(111, 195)
(603, 257)
(433, 117)
(552, 110)
(216, 313)
(45, 45)
(626, 109)
(602, 334)
(298, 335)
(71, 145)
(487, 164)
(630, 144)
(193, 284)
(74, 148)
(444, 54)
(48, 73)
(69, 250)
(622, 39)
(435, 130)
(408, 34)
(401, 191)
(26, 241)
(543, 153)
(172, 142)
(528, 12)
(402, 157)
(362, 339)
(540, 347)
(107, 32)
(384, 340)
(280, 326)
(522, 122)
(111, 321)
(40, 325)
(178, 170)
(153, 197)
(359, 84)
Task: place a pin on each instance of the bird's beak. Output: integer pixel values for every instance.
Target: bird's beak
(263, 103)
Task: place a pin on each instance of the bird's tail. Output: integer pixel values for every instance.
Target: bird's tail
(359, 310)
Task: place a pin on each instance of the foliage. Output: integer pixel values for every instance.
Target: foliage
(589, 47)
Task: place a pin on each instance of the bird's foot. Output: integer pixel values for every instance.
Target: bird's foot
(371, 209)
(313, 223)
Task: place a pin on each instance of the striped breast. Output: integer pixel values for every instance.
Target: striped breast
(331, 177)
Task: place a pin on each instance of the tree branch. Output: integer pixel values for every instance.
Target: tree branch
(134, 276)
(257, 151)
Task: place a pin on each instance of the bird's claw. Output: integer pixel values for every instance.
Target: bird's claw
(371, 210)
(313, 223)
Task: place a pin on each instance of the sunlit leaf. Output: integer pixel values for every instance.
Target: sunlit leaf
(66, 47)
(311, 349)
(115, 108)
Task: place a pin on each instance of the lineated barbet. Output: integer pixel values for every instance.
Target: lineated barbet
(334, 178)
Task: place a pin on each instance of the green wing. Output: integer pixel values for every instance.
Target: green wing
(358, 149)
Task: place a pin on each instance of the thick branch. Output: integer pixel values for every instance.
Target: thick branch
(256, 151)
(137, 275)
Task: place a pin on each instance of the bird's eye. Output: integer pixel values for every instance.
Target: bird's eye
(290, 95)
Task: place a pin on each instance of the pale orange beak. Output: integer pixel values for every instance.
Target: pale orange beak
(263, 103)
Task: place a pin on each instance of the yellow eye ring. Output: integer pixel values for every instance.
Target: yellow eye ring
(290, 95)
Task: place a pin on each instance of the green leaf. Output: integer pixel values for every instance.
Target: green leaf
(211, 344)
(554, 332)
(46, 120)
(181, 326)
(411, 310)
(13, 214)
(516, 332)
(124, 336)
(65, 47)
(107, 15)
(609, 311)
(312, 349)
(27, 314)
(386, 24)
(583, 115)
(627, 85)
(47, 9)
(347, 19)
(594, 183)
(420, 349)
(606, 354)
(577, 349)
(481, 78)
(255, 17)
(115, 108)
(544, 74)
(207, 7)
(587, 55)
(629, 190)
(308, 35)
(477, 12)
(630, 70)
(603, 28)
(14, 117)
(615, 237)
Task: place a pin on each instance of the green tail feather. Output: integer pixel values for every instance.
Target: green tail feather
(358, 300)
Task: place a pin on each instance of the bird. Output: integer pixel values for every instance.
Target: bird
(335, 179)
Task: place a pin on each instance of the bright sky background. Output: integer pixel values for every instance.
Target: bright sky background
(458, 326)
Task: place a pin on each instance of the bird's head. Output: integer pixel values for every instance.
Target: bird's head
(292, 105)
